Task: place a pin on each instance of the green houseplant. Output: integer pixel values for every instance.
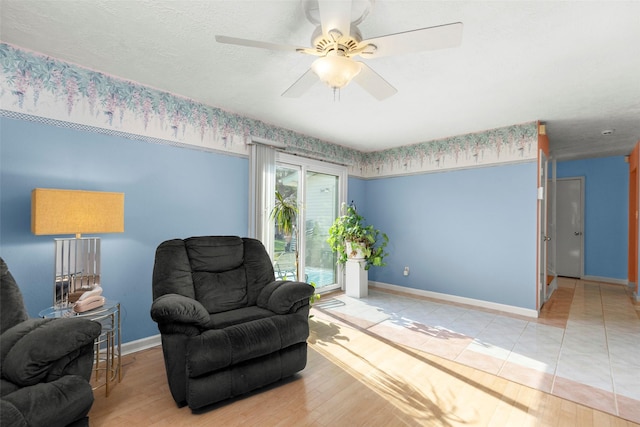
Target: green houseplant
(350, 237)
(284, 212)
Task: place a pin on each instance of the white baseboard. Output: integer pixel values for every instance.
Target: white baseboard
(141, 344)
(461, 300)
(154, 340)
(624, 282)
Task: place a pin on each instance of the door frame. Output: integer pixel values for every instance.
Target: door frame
(543, 241)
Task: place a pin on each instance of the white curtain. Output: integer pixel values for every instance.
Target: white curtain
(262, 187)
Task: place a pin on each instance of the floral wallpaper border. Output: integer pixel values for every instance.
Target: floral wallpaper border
(35, 86)
(510, 144)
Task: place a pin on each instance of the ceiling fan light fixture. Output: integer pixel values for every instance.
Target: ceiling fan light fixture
(336, 71)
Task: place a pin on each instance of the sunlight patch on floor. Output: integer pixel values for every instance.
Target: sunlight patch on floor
(428, 389)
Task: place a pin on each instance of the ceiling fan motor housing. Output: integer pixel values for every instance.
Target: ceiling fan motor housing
(336, 41)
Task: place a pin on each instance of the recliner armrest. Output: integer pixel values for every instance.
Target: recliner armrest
(59, 403)
(171, 308)
(281, 296)
(31, 348)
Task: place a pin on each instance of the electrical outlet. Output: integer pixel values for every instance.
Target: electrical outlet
(406, 271)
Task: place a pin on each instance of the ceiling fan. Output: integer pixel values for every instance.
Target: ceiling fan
(337, 41)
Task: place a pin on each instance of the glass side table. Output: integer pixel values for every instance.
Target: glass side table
(107, 347)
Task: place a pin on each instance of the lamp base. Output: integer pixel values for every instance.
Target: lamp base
(77, 269)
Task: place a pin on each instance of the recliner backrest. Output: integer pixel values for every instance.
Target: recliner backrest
(221, 272)
(217, 268)
(12, 309)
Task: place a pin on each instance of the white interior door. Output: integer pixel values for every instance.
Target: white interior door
(551, 230)
(569, 226)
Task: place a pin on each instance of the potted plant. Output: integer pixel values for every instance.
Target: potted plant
(351, 237)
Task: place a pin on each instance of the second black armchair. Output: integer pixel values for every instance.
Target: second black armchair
(45, 364)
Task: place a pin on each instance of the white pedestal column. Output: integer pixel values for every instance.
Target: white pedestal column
(357, 279)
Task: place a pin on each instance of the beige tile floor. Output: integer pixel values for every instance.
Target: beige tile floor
(585, 346)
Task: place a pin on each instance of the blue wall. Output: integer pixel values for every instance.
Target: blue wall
(606, 207)
(470, 233)
(356, 191)
(169, 192)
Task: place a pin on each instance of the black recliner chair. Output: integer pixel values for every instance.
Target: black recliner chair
(45, 364)
(227, 326)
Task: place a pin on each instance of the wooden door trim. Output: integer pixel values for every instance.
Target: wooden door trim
(543, 145)
(634, 189)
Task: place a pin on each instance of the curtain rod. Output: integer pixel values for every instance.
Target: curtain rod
(263, 141)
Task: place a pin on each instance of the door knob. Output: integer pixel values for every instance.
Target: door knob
(577, 233)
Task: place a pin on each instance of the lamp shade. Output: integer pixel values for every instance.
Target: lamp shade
(336, 71)
(55, 211)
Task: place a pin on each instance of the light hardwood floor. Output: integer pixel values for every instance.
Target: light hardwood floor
(353, 378)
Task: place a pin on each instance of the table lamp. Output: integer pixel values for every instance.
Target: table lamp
(77, 259)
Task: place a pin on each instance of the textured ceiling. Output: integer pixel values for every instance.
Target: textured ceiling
(574, 65)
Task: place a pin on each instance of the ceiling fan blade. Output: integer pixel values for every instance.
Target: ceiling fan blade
(301, 85)
(432, 38)
(371, 81)
(258, 44)
(335, 15)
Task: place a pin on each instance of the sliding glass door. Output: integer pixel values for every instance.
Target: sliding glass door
(318, 189)
(321, 208)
